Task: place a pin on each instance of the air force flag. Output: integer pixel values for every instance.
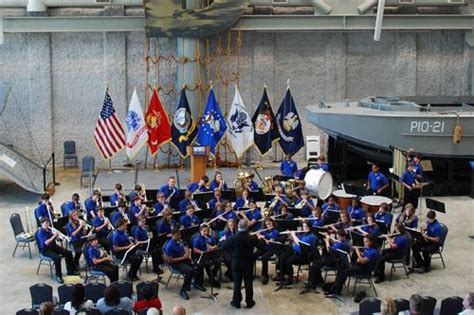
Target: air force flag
(289, 126)
(137, 134)
(240, 127)
(212, 125)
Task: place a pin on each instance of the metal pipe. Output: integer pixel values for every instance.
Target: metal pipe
(379, 20)
(322, 7)
(366, 6)
(66, 3)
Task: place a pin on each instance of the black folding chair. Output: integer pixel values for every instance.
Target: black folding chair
(88, 169)
(125, 288)
(451, 305)
(65, 293)
(94, 291)
(22, 238)
(439, 252)
(428, 305)
(155, 286)
(70, 154)
(117, 311)
(91, 311)
(60, 311)
(27, 311)
(399, 263)
(40, 293)
(369, 306)
(402, 305)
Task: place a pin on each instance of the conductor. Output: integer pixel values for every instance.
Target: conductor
(242, 246)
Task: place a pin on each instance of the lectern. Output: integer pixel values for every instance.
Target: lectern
(198, 161)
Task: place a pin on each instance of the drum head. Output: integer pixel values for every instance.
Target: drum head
(319, 183)
(340, 193)
(375, 200)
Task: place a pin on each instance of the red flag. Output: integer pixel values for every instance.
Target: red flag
(158, 123)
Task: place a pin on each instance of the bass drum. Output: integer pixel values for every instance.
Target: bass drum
(319, 183)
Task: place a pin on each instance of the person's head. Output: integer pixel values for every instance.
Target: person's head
(118, 187)
(316, 211)
(189, 210)
(122, 206)
(171, 181)
(245, 193)
(375, 168)
(269, 223)
(96, 195)
(369, 241)
(137, 200)
(288, 157)
(138, 188)
(160, 196)
(341, 235)
(147, 292)
(112, 295)
(383, 207)
(46, 308)
(275, 180)
(331, 201)
(78, 296)
(409, 209)
(345, 218)
(188, 194)
(278, 190)
(100, 212)
(204, 229)
(75, 197)
(306, 226)
(243, 226)
(469, 301)
(218, 176)
(217, 194)
(93, 240)
(73, 216)
(152, 311)
(388, 307)
(371, 220)
(252, 204)
(176, 234)
(430, 216)
(321, 159)
(411, 166)
(204, 180)
(45, 197)
(400, 228)
(417, 158)
(121, 225)
(179, 310)
(227, 206)
(304, 194)
(416, 302)
(355, 203)
(44, 223)
(231, 224)
(141, 221)
(167, 215)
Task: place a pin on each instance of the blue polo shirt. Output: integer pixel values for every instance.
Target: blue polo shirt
(401, 242)
(93, 252)
(385, 217)
(213, 203)
(140, 234)
(419, 169)
(299, 174)
(43, 236)
(117, 215)
(377, 180)
(183, 204)
(373, 255)
(435, 230)
(167, 190)
(315, 222)
(324, 166)
(357, 213)
(228, 234)
(41, 211)
(70, 228)
(132, 214)
(344, 246)
(306, 210)
(90, 205)
(215, 184)
(272, 234)
(200, 242)
(254, 215)
(408, 178)
(334, 207)
(165, 227)
(174, 249)
(239, 203)
(412, 225)
(373, 230)
(158, 207)
(195, 186)
(187, 220)
(120, 238)
(308, 238)
(277, 208)
(99, 222)
(288, 168)
(69, 207)
(253, 185)
(229, 215)
(114, 199)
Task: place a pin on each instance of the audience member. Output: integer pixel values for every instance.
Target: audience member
(468, 304)
(153, 311)
(415, 305)
(78, 300)
(46, 308)
(148, 300)
(388, 307)
(179, 310)
(113, 300)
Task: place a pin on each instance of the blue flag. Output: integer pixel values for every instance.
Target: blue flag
(212, 126)
(183, 127)
(289, 126)
(265, 131)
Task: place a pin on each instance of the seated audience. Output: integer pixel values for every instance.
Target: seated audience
(113, 300)
(78, 300)
(149, 301)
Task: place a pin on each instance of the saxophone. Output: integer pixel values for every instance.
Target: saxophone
(268, 211)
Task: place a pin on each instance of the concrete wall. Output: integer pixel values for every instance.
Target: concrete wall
(58, 80)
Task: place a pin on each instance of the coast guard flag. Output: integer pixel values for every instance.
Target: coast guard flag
(158, 123)
(109, 135)
(137, 134)
(240, 127)
(183, 128)
(212, 125)
(265, 131)
(289, 125)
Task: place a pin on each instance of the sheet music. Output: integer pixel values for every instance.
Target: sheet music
(126, 253)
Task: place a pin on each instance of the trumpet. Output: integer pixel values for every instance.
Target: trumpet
(110, 226)
(60, 234)
(87, 225)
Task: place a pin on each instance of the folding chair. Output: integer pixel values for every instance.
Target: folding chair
(43, 259)
(125, 288)
(428, 305)
(22, 238)
(40, 293)
(27, 311)
(69, 153)
(60, 311)
(94, 291)
(369, 306)
(91, 274)
(402, 305)
(400, 262)
(439, 252)
(451, 305)
(117, 311)
(88, 169)
(65, 293)
(155, 286)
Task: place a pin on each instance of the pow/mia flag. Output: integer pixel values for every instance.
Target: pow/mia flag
(240, 127)
(183, 128)
(265, 130)
(289, 126)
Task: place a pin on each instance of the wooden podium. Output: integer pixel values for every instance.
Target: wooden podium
(199, 156)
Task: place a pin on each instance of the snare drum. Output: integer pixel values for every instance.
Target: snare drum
(371, 204)
(343, 199)
(319, 183)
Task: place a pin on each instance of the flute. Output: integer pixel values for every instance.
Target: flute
(289, 232)
(356, 227)
(389, 235)
(220, 215)
(263, 230)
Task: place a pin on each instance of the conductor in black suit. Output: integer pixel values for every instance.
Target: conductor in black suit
(242, 246)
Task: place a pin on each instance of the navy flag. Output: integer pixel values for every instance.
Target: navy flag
(265, 131)
(289, 126)
(183, 128)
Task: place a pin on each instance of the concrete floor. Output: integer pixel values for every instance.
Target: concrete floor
(19, 273)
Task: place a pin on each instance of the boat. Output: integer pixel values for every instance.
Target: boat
(428, 125)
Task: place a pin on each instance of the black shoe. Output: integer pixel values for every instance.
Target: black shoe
(59, 280)
(288, 282)
(234, 304)
(277, 278)
(379, 280)
(183, 294)
(199, 287)
(328, 292)
(304, 291)
(250, 304)
(426, 269)
(158, 271)
(187, 288)
(73, 273)
(264, 280)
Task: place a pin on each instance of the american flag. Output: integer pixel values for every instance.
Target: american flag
(109, 134)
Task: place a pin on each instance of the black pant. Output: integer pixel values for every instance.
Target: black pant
(344, 273)
(315, 276)
(199, 274)
(227, 259)
(135, 260)
(242, 271)
(288, 259)
(411, 196)
(265, 257)
(56, 253)
(77, 246)
(426, 249)
(387, 254)
(111, 270)
(188, 271)
(155, 254)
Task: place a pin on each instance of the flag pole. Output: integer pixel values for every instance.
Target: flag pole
(110, 159)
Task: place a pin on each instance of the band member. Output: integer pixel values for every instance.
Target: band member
(288, 167)
(102, 227)
(100, 261)
(136, 210)
(371, 228)
(383, 215)
(269, 235)
(418, 167)
(315, 219)
(243, 201)
(200, 186)
(215, 202)
(295, 255)
(218, 182)
(187, 201)
(365, 264)
(396, 250)
(189, 219)
(121, 213)
(408, 217)
(77, 230)
(301, 186)
(285, 215)
(377, 183)
(166, 225)
(43, 210)
(329, 258)
(276, 183)
(121, 244)
(226, 212)
(279, 200)
(410, 188)
(140, 234)
(92, 203)
(356, 212)
(343, 224)
(322, 163)
(331, 205)
(204, 242)
(179, 259)
(305, 203)
(253, 216)
(74, 204)
(161, 203)
(170, 190)
(432, 240)
(252, 185)
(301, 173)
(117, 196)
(242, 246)
(229, 231)
(48, 247)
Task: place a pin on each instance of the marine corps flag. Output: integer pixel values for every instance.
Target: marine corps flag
(240, 127)
(289, 125)
(137, 134)
(157, 121)
(183, 128)
(265, 131)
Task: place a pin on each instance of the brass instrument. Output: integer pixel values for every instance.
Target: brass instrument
(61, 236)
(28, 223)
(241, 182)
(143, 192)
(289, 186)
(267, 185)
(268, 211)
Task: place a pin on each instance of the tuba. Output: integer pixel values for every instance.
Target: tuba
(289, 186)
(268, 211)
(241, 182)
(267, 184)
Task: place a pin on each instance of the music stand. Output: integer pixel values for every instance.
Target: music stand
(187, 233)
(296, 212)
(203, 198)
(354, 190)
(435, 205)
(229, 194)
(283, 225)
(149, 203)
(269, 197)
(203, 213)
(210, 258)
(357, 239)
(108, 210)
(331, 216)
(257, 195)
(283, 178)
(382, 226)
(279, 248)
